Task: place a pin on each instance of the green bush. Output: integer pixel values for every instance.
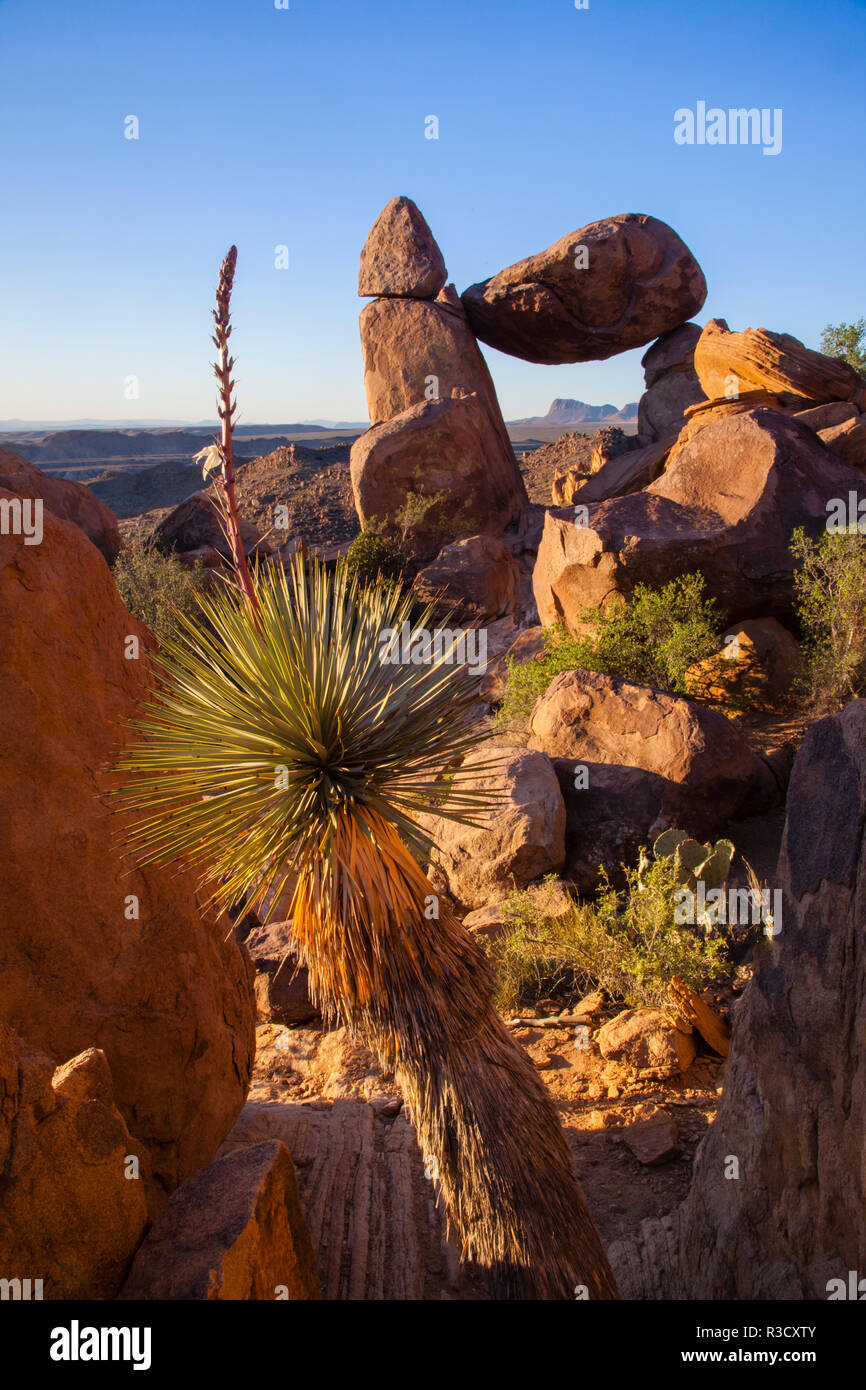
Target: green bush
(652, 639)
(155, 587)
(372, 556)
(848, 341)
(629, 944)
(831, 606)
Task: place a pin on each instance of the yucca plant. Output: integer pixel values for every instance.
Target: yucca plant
(280, 747)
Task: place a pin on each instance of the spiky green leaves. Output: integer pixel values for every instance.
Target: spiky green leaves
(271, 724)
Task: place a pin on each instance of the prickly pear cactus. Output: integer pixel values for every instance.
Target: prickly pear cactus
(696, 863)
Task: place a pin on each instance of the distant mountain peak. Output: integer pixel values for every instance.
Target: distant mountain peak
(564, 411)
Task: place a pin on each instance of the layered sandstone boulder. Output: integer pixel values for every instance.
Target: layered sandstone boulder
(777, 1208)
(725, 506)
(400, 255)
(67, 500)
(757, 359)
(520, 839)
(94, 951)
(605, 288)
(72, 1200)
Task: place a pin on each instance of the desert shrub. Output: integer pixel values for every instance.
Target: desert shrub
(848, 341)
(155, 587)
(627, 943)
(652, 639)
(372, 556)
(830, 591)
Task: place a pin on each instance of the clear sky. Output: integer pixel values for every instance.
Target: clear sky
(295, 126)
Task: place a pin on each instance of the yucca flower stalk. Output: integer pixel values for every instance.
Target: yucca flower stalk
(217, 458)
(280, 747)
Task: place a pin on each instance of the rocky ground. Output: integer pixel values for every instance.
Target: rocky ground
(610, 1118)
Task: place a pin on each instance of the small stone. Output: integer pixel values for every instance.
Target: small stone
(652, 1137)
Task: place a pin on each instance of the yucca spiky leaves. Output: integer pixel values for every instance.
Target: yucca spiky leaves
(273, 725)
(279, 740)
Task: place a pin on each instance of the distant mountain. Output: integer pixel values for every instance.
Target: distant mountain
(19, 427)
(568, 412)
(337, 424)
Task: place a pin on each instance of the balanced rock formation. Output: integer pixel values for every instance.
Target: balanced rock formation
(416, 350)
(522, 838)
(234, 1231)
(422, 365)
(96, 952)
(725, 506)
(72, 1205)
(672, 383)
(632, 761)
(70, 501)
(793, 1112)
(608, 287)
(400, 255)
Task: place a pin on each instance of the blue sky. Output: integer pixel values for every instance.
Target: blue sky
(294, 127)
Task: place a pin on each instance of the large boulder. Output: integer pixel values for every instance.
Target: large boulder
(671, 381)
(757, 359)
(777, 1208)
(234, 1231)
(196, 525)
(610, 286)
(848, 440)
(400, 255)
(70, 501)
(72, 1205)
(435, 473)
(474, 579)
(95, 951)
(522, 837)
(633, 761)
(415, 351)
(725, 506)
